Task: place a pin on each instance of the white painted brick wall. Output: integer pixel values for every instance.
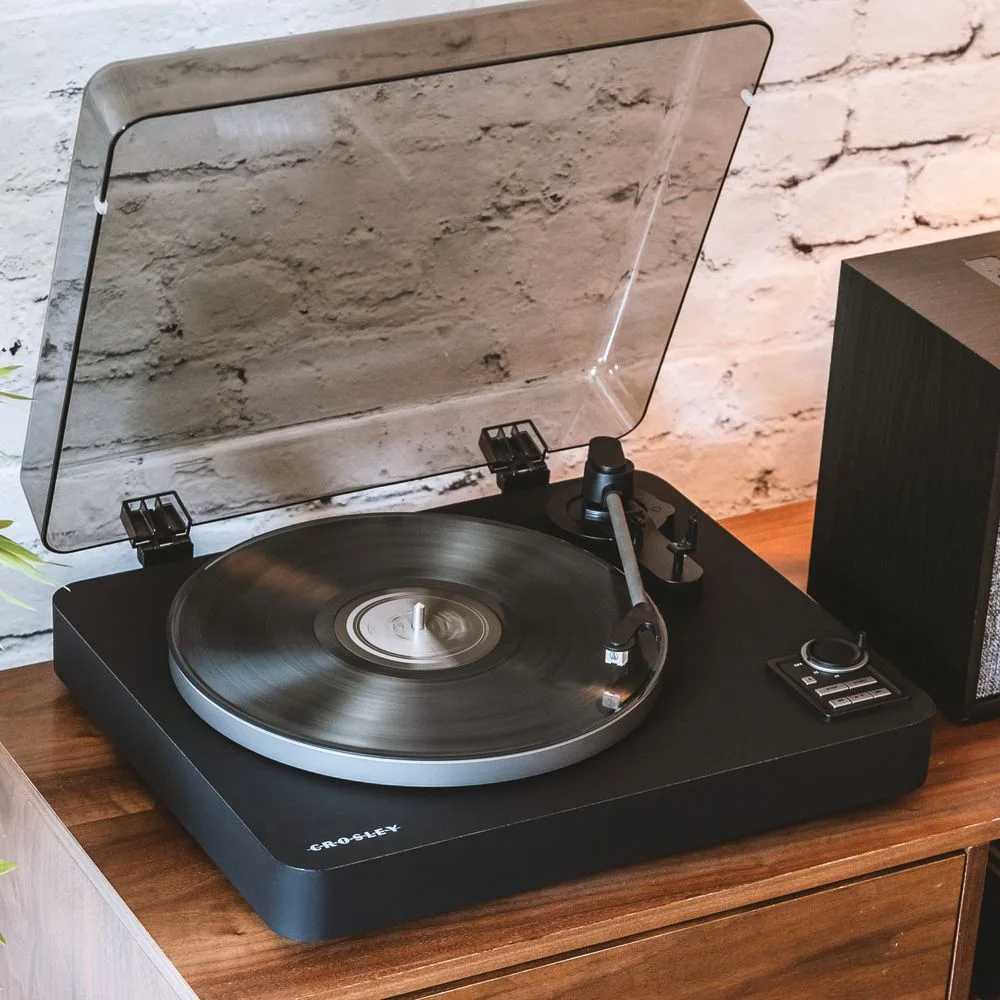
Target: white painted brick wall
(874, 129)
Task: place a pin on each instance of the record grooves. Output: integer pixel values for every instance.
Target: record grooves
(303, 645)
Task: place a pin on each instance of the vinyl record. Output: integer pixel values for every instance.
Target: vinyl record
(406, 649)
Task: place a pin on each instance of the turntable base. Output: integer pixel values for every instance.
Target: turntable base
(786, 902)
(726, 751)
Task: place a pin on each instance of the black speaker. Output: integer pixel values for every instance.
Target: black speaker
(907, 543)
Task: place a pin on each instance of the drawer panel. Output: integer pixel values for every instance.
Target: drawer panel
(887, 935)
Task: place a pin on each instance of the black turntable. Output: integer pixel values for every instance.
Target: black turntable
(336, 262)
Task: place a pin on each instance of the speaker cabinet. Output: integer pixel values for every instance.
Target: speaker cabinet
(907, 542)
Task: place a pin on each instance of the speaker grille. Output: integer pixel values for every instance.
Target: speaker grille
(989, 667)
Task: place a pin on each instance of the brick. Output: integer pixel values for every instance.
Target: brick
(748, 307)
(21, 316)
(848, 203)
(745, 222)
(791, 134)
(791, 379)
(725, 393)
(739, 469)
(889, 29)
(924, 104)
(36, 152)
(988, 16)
(30, 229)
(64, 50)
(958, 187)
(809, 38)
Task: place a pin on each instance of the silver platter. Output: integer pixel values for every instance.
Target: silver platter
(406, 649)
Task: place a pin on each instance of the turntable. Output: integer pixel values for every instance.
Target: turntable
(327, 265)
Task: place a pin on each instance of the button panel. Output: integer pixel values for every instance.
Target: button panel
(861, 682)
(864, 693)
(828, 689)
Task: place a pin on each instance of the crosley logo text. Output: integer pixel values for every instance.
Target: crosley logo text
(355, 838)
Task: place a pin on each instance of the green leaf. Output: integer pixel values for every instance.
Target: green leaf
(21, 566)
(10, 546)
(8, 370)
(3, 940)
(14, 395)
(5, 524)
(11, 599)
(6, 866)
(27, 555)
(12, 552)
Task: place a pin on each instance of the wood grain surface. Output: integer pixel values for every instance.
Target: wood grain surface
(68, 933)
(967, 930)
(849, 941)
(226, 953)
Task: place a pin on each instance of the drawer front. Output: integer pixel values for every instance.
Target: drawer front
(885, 936)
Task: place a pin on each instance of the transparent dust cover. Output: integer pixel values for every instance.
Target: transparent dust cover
(324, 263)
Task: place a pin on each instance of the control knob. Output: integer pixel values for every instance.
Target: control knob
(836, 655)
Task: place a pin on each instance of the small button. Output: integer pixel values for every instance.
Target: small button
(861, 682)
(839, 702)
(857, 699)
(831, 689)
(880, 693)
(808, 680)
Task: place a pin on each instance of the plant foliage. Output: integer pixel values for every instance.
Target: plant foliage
(13, 556)
(5, 867)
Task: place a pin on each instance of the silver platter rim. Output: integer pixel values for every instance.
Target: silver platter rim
(409, 772)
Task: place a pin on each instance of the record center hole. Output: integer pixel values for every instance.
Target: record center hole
(419, 628)
(422, 623)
